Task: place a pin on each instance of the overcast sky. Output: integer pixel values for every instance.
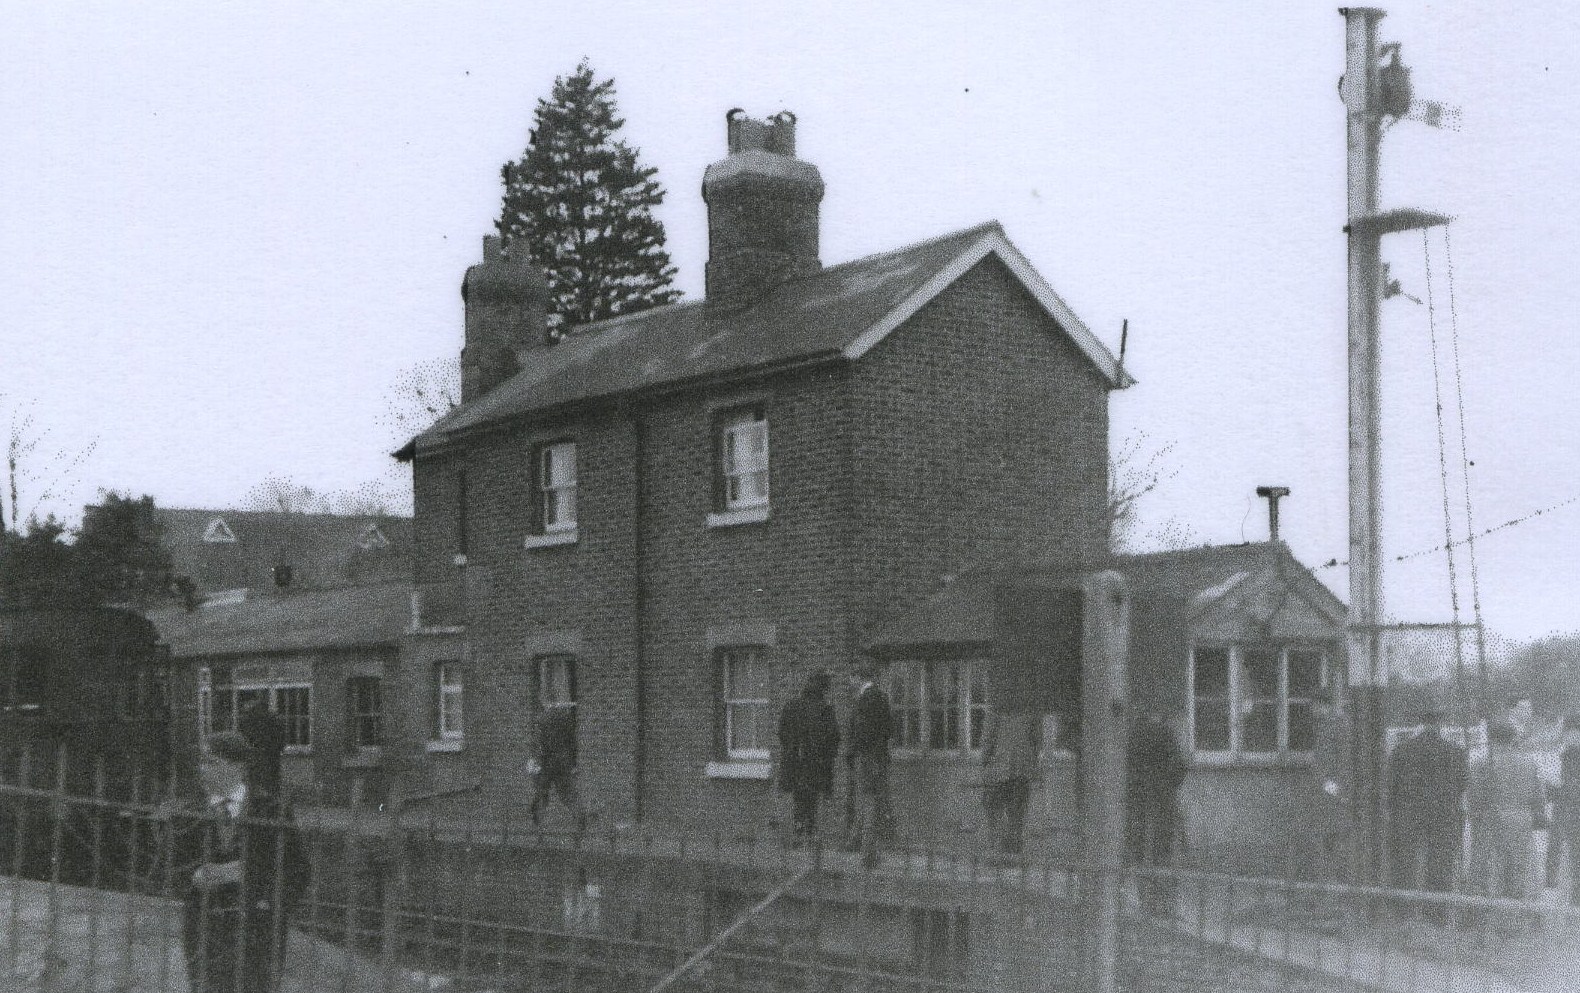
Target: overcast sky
(227, 228)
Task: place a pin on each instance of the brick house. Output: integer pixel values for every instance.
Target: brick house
(675, 516)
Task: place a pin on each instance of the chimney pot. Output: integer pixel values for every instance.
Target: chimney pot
(762, 211)
(506, 315)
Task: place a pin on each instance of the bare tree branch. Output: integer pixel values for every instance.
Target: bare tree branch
(420, 395)
(37, 471)
(1135, 469)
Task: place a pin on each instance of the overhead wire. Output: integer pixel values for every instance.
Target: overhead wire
(1442, 466)
(1335, 563)
(1465, 464)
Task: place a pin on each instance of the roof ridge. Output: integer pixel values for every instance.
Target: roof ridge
(593, 327)
(337, 515)
(981, 228)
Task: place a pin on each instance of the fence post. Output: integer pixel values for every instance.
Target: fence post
(1105, 638)
(393, 873)
(59, 811)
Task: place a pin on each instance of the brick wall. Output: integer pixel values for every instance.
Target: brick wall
(981, 436)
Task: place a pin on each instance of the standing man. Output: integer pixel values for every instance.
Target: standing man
(238, 845)
(1334, 767)
(1010, 748)
(556, 729)
(808, 743)
(1505, 801)
(1155, 768)
(1426, 786)
(867, 756)
(1564, 832)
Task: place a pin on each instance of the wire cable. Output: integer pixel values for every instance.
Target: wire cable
(1465, 464)
(1442, 468)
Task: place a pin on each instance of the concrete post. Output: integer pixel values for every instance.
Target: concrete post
(1105, 618)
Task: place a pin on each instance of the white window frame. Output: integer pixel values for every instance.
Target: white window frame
(205, 702)
(355, 714)
(450, 698)
(730, 702)
(745, 431)
(1237, 752)
(556, 676)
(292, 719)
(971, 713)
(557, 487)
(271, 690)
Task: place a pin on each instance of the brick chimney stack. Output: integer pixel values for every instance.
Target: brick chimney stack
(506, 316)
(762, 212)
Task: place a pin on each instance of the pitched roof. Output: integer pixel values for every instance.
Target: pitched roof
(1208, 577)
(309, 620)
(840, 312)
(225, 549)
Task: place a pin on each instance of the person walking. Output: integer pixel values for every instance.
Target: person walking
(1011, 745)
(1563, 833)
(245, 868)
(1155, 768)
(867, 758)
(808, 745)
(1505, 802)
(556, 747)
(1333, 764)
(1426, 787)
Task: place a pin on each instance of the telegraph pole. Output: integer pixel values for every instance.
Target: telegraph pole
(1372, 92)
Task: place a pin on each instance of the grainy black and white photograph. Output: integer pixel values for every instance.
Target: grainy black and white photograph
(522, 497)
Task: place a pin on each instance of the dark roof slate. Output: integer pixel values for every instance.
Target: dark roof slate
(322, 549)
(815, 317)
(310, 620)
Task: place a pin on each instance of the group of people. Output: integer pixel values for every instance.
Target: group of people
(1432, 789)
(809, 745)
(1435, 792)
(1011, 747)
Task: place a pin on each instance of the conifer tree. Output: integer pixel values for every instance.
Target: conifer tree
(583, 205)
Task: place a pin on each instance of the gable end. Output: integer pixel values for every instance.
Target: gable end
(994, 243)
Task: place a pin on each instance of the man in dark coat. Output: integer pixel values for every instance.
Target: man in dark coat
(556, 740)
(1426, 786)
(808, 744)
(1155, 768)
(246, 868)
(867, 758)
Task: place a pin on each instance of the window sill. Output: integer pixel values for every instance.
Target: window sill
(550, 540)
(740, 769)
(1261, 760)
(952, 756)
(363, 758)
(446, 745)
(740, 515)
(298, 749)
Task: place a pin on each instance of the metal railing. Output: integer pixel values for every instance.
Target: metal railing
(100, 895)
